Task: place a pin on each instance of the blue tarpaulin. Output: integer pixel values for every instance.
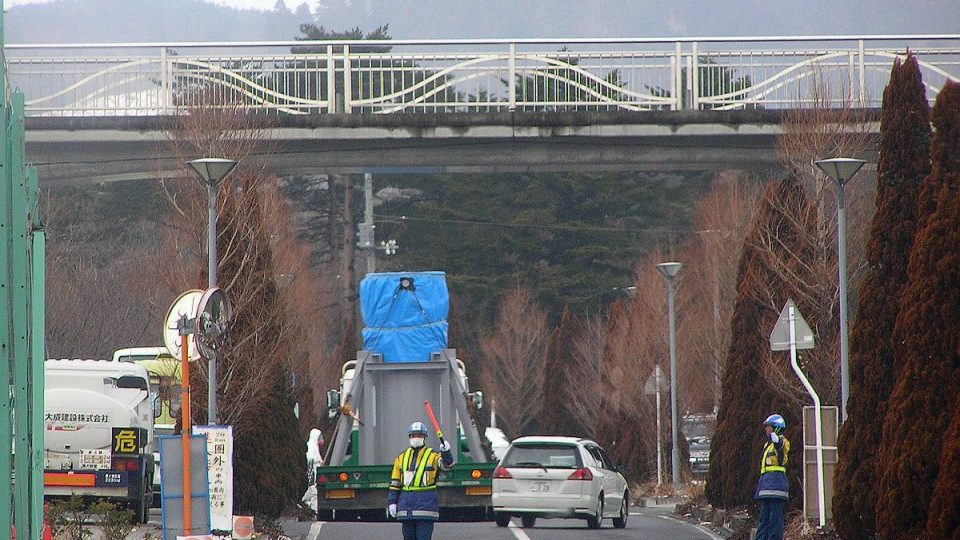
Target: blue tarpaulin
(404, 324)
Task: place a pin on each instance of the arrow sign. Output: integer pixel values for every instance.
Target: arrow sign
(780, 337)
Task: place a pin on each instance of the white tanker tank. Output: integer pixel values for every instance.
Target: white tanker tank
(98, 431)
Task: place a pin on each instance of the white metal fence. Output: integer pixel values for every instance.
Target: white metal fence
(405, 76)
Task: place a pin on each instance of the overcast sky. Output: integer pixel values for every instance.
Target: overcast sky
(243, 4)
(412, 19)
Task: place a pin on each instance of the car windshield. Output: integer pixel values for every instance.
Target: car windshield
(546, 455)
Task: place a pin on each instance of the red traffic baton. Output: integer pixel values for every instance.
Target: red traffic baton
(433, 419)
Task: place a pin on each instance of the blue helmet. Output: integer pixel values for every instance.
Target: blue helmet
(776, 422)
(417, 428)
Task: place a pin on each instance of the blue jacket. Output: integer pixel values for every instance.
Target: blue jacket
(413, 483)
(773, 483)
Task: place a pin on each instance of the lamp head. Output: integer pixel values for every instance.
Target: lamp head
(669, 269)
(841, 169)
(212, 169)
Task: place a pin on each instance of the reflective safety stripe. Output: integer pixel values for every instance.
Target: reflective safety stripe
(419, 480)
(423, 513)
(773, 493)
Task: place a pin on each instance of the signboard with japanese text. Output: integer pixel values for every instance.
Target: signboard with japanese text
(94, 459)
(128, 440)
(220, 474)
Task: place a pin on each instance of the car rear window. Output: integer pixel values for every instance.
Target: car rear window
(538, 455)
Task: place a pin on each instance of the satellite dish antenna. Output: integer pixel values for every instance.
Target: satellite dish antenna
(185, 305)
(213, 319)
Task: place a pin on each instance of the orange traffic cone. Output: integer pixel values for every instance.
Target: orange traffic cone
(46, 532)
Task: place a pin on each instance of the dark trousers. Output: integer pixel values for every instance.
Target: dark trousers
(418, 529)
(770, 523)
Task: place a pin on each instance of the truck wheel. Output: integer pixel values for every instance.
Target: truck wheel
(141, 509)
(502, 519)
(528, 521)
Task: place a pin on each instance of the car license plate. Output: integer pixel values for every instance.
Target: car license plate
(539, 487)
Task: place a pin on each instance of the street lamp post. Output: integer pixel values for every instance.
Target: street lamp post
(212, 170)
(670, 271)
(841, 170)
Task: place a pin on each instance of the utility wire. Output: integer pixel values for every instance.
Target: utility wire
(577, 228)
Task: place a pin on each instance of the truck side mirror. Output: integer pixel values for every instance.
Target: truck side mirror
(333, 402)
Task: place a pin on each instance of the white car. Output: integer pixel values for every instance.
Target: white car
(559, 477)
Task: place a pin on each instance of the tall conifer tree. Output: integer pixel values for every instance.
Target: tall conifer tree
(269, 456)
(556, 416)
(904, 163)
(926, 393)
(944, 513)
(785, 213)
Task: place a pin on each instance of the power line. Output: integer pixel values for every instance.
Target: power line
(575, 228)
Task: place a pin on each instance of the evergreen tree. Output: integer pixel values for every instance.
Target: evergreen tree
(927, 389)
(269, 455)
(556, 418)
(785, 213)
(944, 514)
(904, 163)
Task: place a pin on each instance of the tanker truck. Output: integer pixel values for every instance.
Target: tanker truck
(405, 362)
(98, 432)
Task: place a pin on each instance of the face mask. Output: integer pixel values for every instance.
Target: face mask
(416, 442)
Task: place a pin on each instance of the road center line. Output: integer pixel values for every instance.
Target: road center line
(518, 532)
(314, 530)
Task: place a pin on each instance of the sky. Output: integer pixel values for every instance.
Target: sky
(413, 19)
(241, 4)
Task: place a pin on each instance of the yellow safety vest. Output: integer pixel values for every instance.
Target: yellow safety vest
(424, 470)
(770, 460)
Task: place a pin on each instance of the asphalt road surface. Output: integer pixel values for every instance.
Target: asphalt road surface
(647, 523)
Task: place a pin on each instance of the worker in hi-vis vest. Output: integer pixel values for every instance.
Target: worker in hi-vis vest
(773, 489)
(413, 498)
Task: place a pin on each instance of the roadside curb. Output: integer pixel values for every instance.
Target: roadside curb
(653, 502)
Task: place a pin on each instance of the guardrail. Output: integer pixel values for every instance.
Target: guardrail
(426, 76)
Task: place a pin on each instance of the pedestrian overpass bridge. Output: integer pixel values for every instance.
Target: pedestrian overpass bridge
(100, 112)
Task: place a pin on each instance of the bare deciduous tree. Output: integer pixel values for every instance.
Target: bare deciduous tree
(514, 358)
(92, 274)
(706, 297)
(827, 129)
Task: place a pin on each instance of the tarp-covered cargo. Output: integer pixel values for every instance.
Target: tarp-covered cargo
(405, 314)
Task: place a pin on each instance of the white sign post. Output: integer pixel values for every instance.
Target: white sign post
(219, 474)
(782, 338)
(655, 384)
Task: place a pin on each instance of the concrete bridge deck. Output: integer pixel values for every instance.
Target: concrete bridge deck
(92, 149)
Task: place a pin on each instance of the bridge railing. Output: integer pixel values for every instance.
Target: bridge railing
(427, 76)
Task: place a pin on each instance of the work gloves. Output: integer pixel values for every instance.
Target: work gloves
(444, 446)
(392, 510)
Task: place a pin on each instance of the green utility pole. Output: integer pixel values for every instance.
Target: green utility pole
(21, 323)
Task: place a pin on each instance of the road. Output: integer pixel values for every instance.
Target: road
(650, 523)
(647, 523)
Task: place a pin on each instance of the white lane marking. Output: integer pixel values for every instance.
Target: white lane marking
(710, 534)
(517, 532)
(314, 530)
